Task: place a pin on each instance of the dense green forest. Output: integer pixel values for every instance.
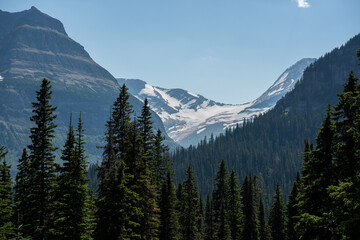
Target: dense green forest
(136, 197)
(271, 145)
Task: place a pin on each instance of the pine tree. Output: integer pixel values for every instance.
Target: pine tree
(7, 229)
(161, 164)
(220, 198)
(209, 233)
(145, 125)
(277, 218)
(72, 218)
(22, 194)
(264, 232)
(344, 217)
(190, 219)
(169, 225)
(42, 167)
(223, 228)
(235, 207)
(292, 210)
(114, 201)
(318, 175)
(147, 216)
(250, 230)
(346, 115)
(120, 121)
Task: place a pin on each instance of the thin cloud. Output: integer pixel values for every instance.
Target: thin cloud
(302, 3)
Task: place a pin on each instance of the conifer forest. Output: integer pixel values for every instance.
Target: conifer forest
(135, 194)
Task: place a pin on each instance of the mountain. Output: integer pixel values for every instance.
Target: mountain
(189, 117)
(271, 145)
(34, 46)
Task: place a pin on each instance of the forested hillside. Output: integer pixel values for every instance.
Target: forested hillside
(271, 146)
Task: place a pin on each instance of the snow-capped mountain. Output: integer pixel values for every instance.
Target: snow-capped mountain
(189, 117)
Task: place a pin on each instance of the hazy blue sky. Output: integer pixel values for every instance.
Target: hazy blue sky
(227, 50)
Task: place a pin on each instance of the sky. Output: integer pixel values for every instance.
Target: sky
(229, 51)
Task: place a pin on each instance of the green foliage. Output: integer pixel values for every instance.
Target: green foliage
(190, 208)
(209, 233)
(235, 207)
(169, 226)
(7, 229)
(250, 230)
(42, 170)
(72, 218)
(292, 210)
(264, 232)
(277, 217)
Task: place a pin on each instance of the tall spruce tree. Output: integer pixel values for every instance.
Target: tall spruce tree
(115, 201)
(220, 198)
(42, 166)
(345, 215)
(264, 232)
(169, 225)
(161, 164)
(292, 210)
(147, 216)
(7, 228)
(250, 230)
(277, 217)
(235, 207)
(318, 175)
(21, 193)
(146, 130)
(190, 209)
(209, 233)
(73, 217)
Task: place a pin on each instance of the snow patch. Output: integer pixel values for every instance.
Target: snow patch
(193, 94)
(200, 130)
(281, 79)
(275, 91)
(148, 90)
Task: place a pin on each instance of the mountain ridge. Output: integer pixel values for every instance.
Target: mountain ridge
(189, 117)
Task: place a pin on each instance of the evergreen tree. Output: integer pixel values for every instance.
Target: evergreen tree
(145, 125)
(277, 218)
(292, 210)
(209, 233)
(73, 217)
(42, 167)
(7, 229)
(264, 232)
(190, 209)
(161, 163)
(344, 217)
(169, 225)
(223, 228)
(22, 194)
(318, 175)
(220, 198)
(235, 207)
(147, 216)
(113, 204)
(346, 115)
(120, 122)
(250, 230)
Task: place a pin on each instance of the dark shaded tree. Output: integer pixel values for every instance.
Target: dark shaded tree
(277, 217)
(42, 166)
(169, 225)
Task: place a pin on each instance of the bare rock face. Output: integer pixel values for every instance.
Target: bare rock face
(34, 46)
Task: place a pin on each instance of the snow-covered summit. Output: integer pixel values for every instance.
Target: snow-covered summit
(189, 117)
